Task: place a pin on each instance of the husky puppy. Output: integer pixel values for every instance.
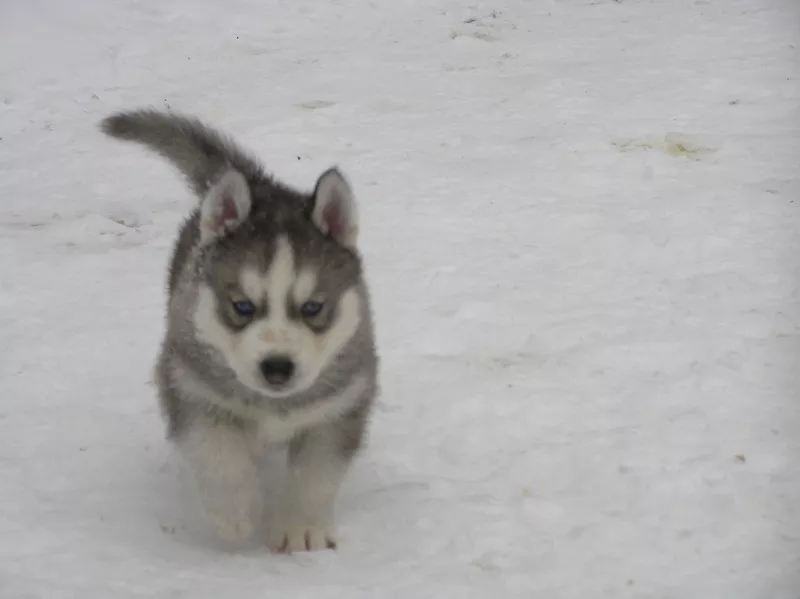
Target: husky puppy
(269, 336)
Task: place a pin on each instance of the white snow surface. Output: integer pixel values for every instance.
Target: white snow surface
(580, 228)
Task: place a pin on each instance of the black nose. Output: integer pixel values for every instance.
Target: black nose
(277, 370)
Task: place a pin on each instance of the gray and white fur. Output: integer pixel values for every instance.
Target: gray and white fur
(269, 337)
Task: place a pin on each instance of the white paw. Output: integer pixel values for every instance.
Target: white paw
(235, 517)
(301, 538)
(231, 528)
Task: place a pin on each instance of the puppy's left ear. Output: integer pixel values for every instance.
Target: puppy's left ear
(334, 208)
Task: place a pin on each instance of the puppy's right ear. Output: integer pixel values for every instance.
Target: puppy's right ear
(226, 205)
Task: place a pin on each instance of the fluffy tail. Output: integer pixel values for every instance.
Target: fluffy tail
(199, 152)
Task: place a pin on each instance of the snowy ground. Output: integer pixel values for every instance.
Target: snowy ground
(580, 221)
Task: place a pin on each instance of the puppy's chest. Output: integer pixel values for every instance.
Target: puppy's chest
(272, 428)
(268, 427)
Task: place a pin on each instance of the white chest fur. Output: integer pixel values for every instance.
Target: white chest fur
(272, 428)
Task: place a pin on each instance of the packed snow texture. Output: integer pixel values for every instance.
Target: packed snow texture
(580, 227)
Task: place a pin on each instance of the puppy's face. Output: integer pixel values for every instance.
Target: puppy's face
(278, 279)
(279, 305)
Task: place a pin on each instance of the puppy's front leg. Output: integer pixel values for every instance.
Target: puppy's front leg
(318, 461)
(226, 475)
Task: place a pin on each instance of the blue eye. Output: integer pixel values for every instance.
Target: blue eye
(311, 309)
(244, 308)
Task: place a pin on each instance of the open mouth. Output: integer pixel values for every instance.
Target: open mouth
(277, 382)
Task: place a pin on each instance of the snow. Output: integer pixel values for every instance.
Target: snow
(581, 232)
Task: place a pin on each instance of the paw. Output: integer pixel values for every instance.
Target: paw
(234, 517)
(232, 528)
(302, 538)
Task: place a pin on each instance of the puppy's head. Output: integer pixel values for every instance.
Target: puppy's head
(280, 280)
